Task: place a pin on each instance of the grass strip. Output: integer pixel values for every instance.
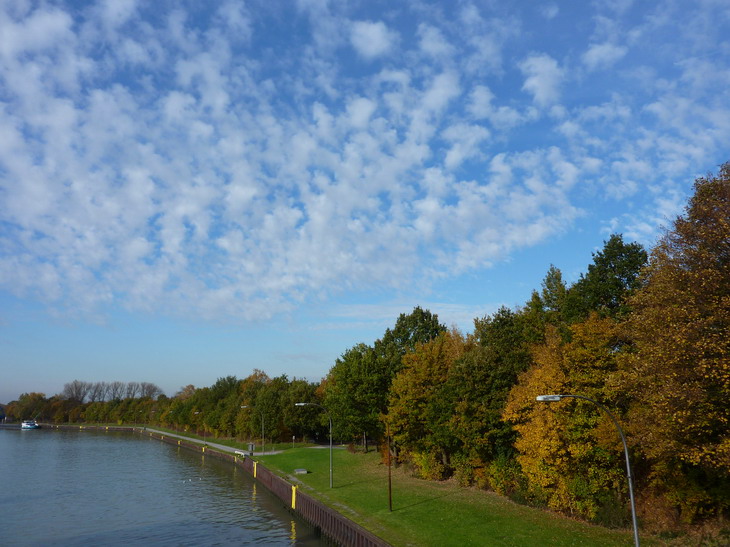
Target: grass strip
(429, 513)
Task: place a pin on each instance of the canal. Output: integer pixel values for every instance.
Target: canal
(115, 488)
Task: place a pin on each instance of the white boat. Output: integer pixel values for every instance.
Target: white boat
(29, 424)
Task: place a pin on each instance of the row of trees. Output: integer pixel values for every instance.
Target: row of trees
(646, 335)
(230, 408)
(93, 392)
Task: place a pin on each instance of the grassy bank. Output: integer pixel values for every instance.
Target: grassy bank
(429, 513)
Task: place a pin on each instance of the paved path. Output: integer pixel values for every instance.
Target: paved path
(221, 447)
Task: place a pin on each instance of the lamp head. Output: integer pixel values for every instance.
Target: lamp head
(548, 398)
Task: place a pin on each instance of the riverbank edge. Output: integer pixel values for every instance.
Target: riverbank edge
(330, 523)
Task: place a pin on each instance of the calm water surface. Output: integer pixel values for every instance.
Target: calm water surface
(110, 488)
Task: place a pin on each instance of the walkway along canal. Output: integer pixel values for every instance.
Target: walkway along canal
(329, 522)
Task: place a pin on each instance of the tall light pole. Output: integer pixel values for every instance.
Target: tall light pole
(263, 439)
(330, 419)
(553, 398)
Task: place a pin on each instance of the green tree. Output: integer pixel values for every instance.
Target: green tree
(419, 326)
(481, 380)
(420, 411)
(28, 405)
(357, 386)
(269, 402)
(354, 392)
(295, 421)
(611, 278)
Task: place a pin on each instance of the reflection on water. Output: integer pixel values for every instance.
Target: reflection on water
(111, 488)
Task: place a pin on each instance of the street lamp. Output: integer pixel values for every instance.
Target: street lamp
(553, 398)
(263, 439)
(330, 419)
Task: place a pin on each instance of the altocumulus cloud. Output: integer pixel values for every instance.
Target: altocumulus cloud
(241, 159)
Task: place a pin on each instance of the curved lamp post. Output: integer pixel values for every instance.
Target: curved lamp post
(263, 439)
(553, 398)
(330, 419)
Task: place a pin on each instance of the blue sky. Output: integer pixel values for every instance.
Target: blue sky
(190, 190)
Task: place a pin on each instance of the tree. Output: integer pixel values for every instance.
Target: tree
(356, 388)
(269, 403)
(184, 392)
(419, 412)
(76, 391)
(611, 278)
(149, 390)
(553, 292)
(97, 392)
(420, 326)
(295, 421)
(28, 405)
(570, 453)
(678, 377)
(354, 392)
(116, 390)
(482, 379)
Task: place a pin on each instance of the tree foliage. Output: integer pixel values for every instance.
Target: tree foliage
(679, 376)
(419, 409)
(569, 454)
(611, 278)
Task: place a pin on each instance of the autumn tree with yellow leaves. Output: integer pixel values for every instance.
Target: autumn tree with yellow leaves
(678, 376)
(569, 452)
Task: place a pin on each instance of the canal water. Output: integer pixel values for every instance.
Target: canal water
(80, 488)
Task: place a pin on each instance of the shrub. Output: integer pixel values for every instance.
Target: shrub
(428, 466)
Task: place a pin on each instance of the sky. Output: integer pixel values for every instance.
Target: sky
(191, 190)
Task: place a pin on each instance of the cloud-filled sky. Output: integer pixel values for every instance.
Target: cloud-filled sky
(191, 189)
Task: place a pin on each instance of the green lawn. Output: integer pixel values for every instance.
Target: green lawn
(430, 513)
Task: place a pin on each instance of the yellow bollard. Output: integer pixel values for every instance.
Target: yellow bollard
(254, 469)
(203, 450)
(293, 497)
(178, 442)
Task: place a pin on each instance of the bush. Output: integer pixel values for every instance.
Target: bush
(504, 476)
(464, 469)
(427, 466)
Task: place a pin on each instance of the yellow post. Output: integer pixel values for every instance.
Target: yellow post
(203, 450)
(178, 442)
(254, 469)
(293, 496)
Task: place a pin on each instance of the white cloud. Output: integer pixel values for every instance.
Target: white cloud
(372, 39)
(480, 107)
(601, 56)
(465, 143)
(550, 10)
(115, 13)
(433, 42)
(543, 78)
(359, 111)
(197, 166)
